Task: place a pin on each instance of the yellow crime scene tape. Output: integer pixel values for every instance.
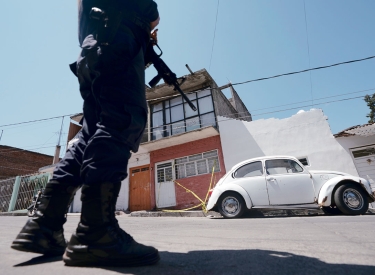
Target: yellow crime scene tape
(203, 202)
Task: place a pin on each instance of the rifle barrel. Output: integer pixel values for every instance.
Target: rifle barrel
(177, 87)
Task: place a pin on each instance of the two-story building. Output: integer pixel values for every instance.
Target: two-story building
(178, 144)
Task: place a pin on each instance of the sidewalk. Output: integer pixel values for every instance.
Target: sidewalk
(212, 214)
(259, 213)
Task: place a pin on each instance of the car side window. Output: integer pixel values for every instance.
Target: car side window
(249, 170)
(282, 166)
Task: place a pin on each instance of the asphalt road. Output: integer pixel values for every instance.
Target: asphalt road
(278, 245)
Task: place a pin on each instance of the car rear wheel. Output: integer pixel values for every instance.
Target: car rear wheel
(351, 199)
(330, 210)
(231, 205)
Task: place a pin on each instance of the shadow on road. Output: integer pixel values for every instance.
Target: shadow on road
(229, 262)
(40, 260)
(242, 262)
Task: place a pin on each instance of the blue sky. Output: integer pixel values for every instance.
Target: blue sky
(254, 39)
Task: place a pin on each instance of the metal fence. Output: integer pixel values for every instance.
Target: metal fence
(17, 193)
(6, 190)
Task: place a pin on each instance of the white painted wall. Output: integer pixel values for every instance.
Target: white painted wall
(306, 134)
(138, 159)
(355, 141)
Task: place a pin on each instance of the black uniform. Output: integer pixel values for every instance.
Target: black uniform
(112, 84)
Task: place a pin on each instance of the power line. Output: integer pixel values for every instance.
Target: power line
(31, 121)
(333, 101)
(216, 88)
(303, 71)
(19, 149)
(308, 52)
(27, 146)
(315, 99)
(213, 40)
(270, 77)
(222, 87)
(251, 115)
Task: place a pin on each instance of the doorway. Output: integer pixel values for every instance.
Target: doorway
(140, 188)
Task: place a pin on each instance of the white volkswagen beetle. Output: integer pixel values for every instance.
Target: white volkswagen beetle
(282, 182)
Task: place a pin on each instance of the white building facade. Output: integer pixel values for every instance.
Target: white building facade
(306, 136)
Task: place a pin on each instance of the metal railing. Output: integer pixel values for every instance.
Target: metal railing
(17, 193)
(6, 190)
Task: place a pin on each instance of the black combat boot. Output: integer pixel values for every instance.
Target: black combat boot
(99, 241)
(44, 233)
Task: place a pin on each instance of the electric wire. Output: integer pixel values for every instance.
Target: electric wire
(308, 52)
(27, 146)
(213, 40)
(247, 116)
(269, 77)
(19, 149)
(338, 95)
(233, 84)
(303, 71)
(37, 120)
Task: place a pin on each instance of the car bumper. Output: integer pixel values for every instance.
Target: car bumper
(213, 199)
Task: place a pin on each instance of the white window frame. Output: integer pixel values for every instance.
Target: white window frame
(209, 171)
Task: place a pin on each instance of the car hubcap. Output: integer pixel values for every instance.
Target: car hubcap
(353, 199)
(231, 205)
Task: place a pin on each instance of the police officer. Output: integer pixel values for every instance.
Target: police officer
(114, 37)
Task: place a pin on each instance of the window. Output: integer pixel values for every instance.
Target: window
(174, 116)
(364, 152)
(164, 172)
(249, 170)
(304, 161)
(282, 166)
(198, 164)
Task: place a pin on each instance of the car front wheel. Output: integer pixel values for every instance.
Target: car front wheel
(231, 205)
(351, 199)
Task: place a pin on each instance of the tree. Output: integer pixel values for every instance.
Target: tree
(370, 100)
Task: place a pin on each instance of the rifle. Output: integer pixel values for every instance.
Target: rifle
(164, 72)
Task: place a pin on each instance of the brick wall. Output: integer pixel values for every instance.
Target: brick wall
(198, 184)
(16, 162)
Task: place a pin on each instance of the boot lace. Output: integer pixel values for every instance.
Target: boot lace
(120, 233)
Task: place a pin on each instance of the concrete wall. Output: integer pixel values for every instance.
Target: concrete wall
(198, 184)
(306, 134)
(355, 142)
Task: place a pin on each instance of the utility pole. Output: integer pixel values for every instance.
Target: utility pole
(1, 134)
(56, 158)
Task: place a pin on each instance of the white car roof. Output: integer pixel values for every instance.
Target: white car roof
(263, 158)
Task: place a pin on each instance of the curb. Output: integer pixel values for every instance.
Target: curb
(211, 214)
(192, 214)
(13, 214)
(259, 213)
(254, 213)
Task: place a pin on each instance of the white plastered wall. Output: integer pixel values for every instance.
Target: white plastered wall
(138, 159)
(355, 141)
(306, 134)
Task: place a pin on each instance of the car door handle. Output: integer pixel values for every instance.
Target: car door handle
(270, 179)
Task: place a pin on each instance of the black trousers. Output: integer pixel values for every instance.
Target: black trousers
(112, 85)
